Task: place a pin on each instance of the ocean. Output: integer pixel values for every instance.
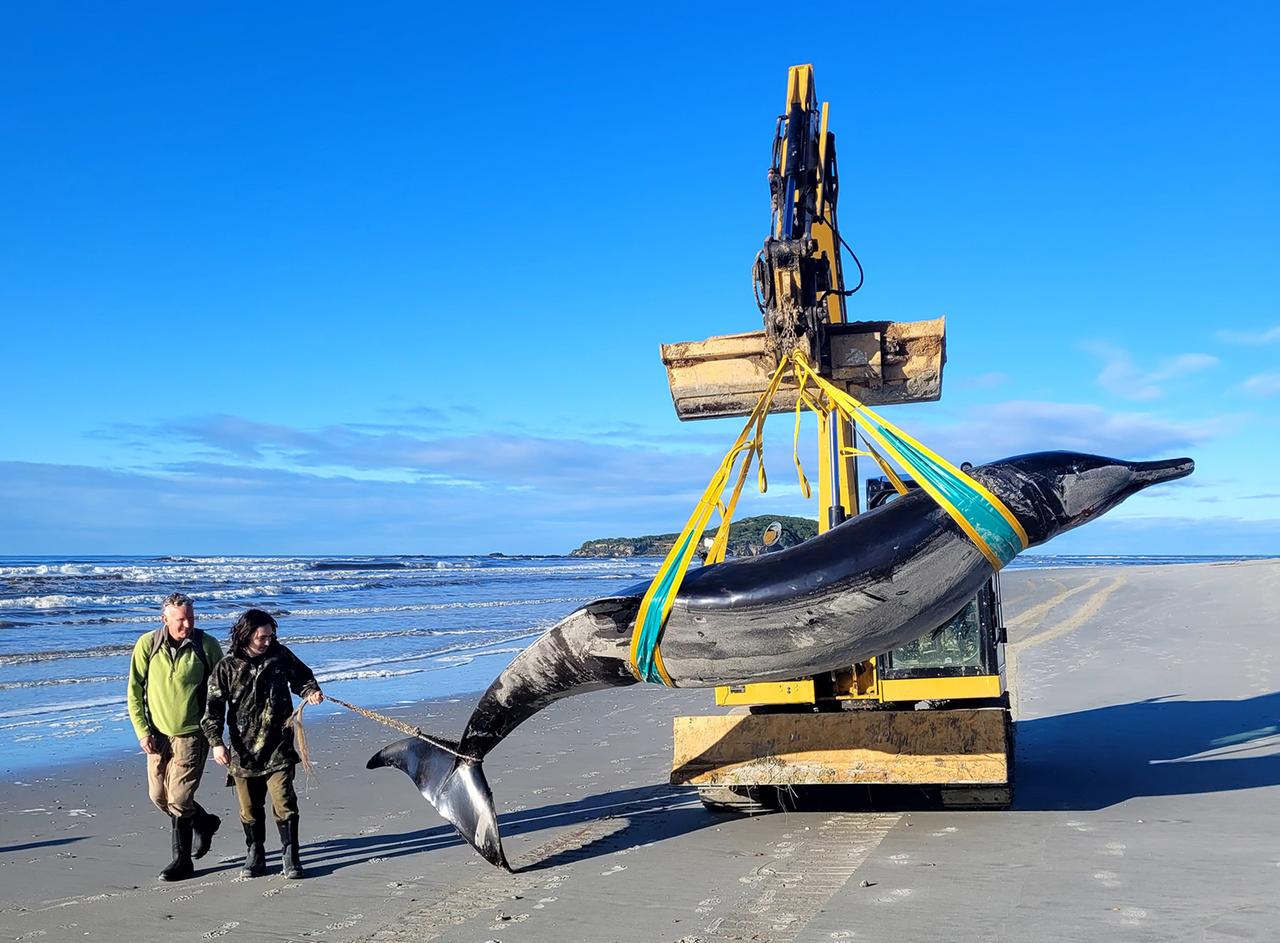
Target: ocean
(377, 631)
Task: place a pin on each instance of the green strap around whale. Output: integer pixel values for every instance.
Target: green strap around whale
(982, 516)
(985, 520)
(997, 532)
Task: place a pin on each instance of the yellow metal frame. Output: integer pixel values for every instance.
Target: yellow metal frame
(861, 681)
(767, 692)
(942, 689)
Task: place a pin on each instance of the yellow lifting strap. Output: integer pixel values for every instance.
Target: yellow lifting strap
(980, 514)
(646, 660)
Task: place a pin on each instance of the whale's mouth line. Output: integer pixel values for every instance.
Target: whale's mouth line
(1154, 473)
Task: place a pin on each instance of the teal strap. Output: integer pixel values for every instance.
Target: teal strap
(651, 628)
(990, 524)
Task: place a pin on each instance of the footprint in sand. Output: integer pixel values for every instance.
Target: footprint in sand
(272, 892)
(337, 925)
(542, 902)
(1132, 915)
(1107, 879)
(895, 895)
(1115, 849)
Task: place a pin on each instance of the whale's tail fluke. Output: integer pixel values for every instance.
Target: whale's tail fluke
(454, 785)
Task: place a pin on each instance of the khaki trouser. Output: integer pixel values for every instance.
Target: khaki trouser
(252, 793)
(174, 773)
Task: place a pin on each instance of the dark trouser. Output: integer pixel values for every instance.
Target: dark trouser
(252, 792)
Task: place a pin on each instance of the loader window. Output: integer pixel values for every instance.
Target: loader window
(954, 643)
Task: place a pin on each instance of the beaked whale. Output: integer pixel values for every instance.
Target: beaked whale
(877, 581)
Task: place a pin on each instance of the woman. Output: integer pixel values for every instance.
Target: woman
(249, 690)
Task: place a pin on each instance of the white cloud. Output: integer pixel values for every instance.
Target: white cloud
(1269, 336)
(579, 463)
(67, 509)
(1264, 384)
(1171, 535)
(1017, 426)
(62, 509)
(1122, 376)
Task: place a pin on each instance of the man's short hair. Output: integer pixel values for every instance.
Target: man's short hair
(178, 601)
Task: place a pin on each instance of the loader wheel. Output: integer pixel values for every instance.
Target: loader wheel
(744, 800)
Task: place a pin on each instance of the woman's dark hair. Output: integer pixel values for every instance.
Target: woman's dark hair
(251, 621)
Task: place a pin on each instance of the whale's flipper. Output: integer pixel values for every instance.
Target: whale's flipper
(455, 786)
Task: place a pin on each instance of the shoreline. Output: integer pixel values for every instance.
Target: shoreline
(315, 719)
(34, 729)
(1147, 769)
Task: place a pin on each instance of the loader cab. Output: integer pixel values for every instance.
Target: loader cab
(962, 658)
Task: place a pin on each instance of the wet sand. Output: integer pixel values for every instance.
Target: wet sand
(1148, 774)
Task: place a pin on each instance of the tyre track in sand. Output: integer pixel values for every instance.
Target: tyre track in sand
(496, 888)
(1089, 608)
(805, 873)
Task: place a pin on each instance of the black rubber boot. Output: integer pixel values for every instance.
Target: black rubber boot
(180, 868)
(290, 866)
(255, 859)
(204, 825)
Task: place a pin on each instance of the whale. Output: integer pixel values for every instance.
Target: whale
(871, 584)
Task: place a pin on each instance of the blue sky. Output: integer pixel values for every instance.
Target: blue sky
(334, 279)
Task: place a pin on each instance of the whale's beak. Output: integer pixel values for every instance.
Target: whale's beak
(1154, 473)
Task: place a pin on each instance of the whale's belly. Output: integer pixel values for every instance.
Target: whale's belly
(811, 628)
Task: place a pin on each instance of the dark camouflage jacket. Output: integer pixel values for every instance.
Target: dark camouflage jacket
(251, 695)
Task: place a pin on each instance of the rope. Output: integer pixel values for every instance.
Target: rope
(300, 742)
(295, 721)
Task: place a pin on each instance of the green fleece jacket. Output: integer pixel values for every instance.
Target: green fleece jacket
(167, 689)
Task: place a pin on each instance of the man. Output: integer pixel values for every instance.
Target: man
(168, 678)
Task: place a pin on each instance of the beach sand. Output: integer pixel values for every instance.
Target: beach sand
(1148, 779)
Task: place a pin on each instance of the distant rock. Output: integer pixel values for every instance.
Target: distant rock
(746, 539)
